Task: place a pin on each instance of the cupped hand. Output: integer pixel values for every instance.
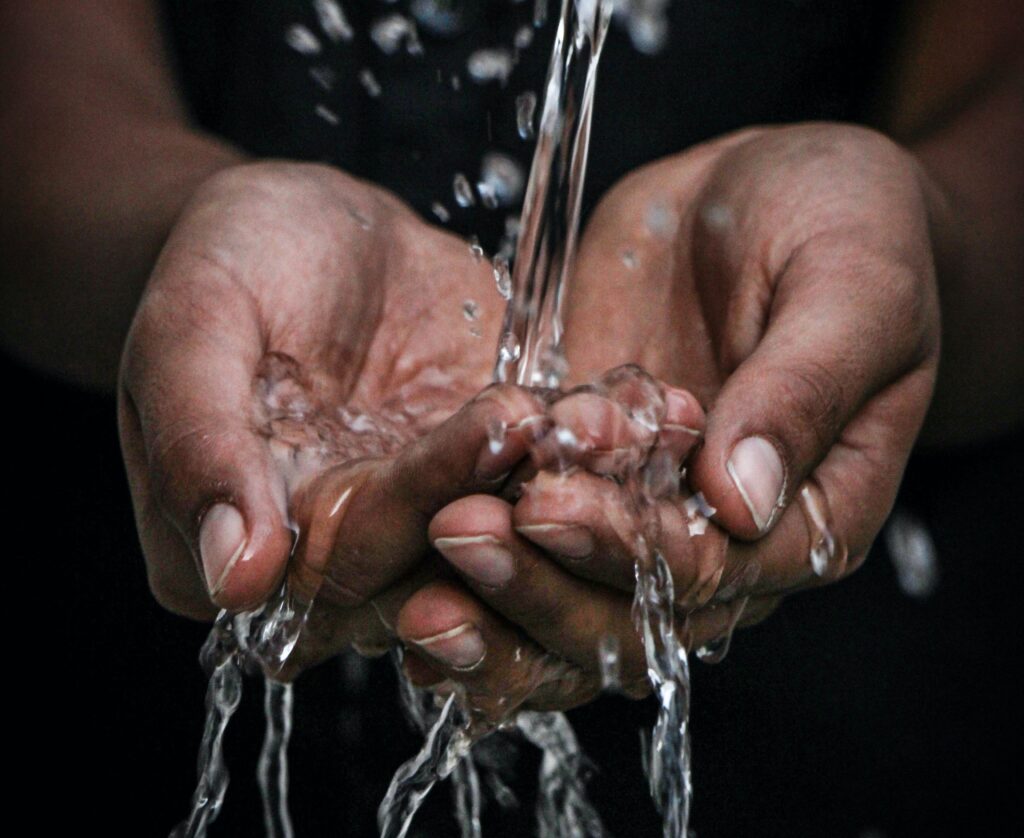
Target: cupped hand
(306, 377)
(785, 277)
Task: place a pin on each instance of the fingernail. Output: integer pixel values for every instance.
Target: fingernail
(679, 409)
(756, 468)
(222, 539)
(480, 557)
(574, 542)
(460, 648)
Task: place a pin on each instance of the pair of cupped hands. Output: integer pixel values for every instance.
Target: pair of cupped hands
(301, 394)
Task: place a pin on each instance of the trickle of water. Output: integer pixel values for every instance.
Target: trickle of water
(223, 694)
(272, 771)
(300, 39)
(447, 743)
(332, 20)
(526, 104)
(827, 553)
(468, 800)
(491, 64)
(502, 276)
(463, 191)
(563, 810)
(913, 554)
(550, 219)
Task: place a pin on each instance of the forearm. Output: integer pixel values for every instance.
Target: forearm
(956, 100)
(976, 162)
(98, 161)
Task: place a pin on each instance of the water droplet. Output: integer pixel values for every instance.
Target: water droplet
(492, 64)
(913, 554)
(717, 216)
(369, 82)
(523, 37)
(501, 177)
(323, 76)
(649, 33)
(390, 32)
(827, 553)
(441, 212)
(326, 114)
(487, 196)
(540, 12)
(629, 259)
(608, 660)
(470, 310)
(553, 367)
(659, 219)
(526, 105)
(497, 434)
(456, 83)
(476, 250)
(333, 20)
(502, 277)
(300, 39)
(509, 349)
(463, 191)
(440, 17)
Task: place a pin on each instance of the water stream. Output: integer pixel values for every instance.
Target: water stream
(529, 353)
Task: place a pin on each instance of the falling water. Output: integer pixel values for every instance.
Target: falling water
(272, 772)
(532, 335)
(529, 353)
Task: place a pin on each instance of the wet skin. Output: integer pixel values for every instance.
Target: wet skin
(788, 285)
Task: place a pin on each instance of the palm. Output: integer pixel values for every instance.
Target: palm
(301, 331)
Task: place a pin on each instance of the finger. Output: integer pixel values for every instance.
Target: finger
(450, 633)
(609, 430)
(193, 456)
(563, 613)
(827, 347)
(363, 525)
(588, 526)
(827, 531)
(709, 630)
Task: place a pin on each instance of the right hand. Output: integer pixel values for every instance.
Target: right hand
(287, 294)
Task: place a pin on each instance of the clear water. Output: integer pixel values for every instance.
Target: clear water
(457, 743)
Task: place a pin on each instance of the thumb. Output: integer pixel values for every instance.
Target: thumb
(834, 338)
(209, 502)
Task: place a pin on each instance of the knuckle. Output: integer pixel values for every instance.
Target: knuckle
(813, 399)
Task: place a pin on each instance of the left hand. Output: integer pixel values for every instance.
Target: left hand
(784, 276)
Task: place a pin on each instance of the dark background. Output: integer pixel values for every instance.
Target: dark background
(853, 711)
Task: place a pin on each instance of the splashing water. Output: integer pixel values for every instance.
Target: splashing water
(530, 354)
(550, 219)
